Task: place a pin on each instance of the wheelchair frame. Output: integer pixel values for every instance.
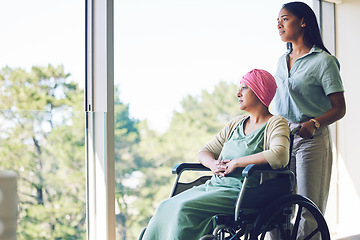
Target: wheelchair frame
(281, 217)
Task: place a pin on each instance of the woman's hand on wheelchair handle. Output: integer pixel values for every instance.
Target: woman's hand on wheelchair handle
(307, 130)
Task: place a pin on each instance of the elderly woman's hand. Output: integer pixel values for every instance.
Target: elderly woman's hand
(231, 165)
(220, 167)
(226, 166)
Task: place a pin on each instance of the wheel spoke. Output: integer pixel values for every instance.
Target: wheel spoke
(312, 234)
(297, 223)
(279, 218)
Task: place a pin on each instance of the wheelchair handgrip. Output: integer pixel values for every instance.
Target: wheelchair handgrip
(190, 167)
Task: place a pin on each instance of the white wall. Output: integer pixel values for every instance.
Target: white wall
(347, 15)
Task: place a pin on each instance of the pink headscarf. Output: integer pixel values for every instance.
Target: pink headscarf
(262, 83)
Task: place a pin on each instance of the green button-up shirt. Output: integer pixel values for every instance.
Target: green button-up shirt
(302, 91)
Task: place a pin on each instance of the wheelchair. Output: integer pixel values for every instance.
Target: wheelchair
(270, 208)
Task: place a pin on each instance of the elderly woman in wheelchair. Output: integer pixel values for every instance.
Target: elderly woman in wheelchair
(248, 155)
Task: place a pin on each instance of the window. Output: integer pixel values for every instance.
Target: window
(154, 71)
(42, 117)
(177, 65)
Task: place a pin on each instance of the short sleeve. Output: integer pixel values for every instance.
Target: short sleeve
(331, 79)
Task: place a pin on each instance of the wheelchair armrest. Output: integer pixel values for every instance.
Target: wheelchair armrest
(251, 168)
(179, 168)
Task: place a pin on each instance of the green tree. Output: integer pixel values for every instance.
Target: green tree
(43, 141)
(126, 160)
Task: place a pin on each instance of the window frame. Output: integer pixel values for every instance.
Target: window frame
(99, 109)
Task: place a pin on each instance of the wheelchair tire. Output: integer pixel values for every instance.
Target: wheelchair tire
(141, 234)
(284, 216)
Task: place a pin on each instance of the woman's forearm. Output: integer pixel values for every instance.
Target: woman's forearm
(257, 158)
(231, 165)
(207, 159)
(337, 111)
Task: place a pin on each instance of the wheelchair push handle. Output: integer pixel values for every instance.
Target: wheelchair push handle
(295, 131)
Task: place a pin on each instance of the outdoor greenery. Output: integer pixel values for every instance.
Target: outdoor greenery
(42, 138)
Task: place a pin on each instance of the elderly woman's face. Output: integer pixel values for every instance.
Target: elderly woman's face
(246, 97)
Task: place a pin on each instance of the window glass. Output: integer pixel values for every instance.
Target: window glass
(42, 116)
(177, 68)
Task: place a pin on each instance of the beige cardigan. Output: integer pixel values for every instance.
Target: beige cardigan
(276, 140)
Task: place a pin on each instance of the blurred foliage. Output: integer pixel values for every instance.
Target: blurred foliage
(42, 138)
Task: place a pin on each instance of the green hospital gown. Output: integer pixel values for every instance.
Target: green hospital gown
(189, 215)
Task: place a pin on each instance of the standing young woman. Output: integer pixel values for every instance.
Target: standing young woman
(310, 94)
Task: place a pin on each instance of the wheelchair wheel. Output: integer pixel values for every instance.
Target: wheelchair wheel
(141, 234)
(282, 219)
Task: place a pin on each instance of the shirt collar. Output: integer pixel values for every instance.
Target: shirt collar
(313, 49)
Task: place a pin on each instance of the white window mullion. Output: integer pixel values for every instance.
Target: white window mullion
(100, 120)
